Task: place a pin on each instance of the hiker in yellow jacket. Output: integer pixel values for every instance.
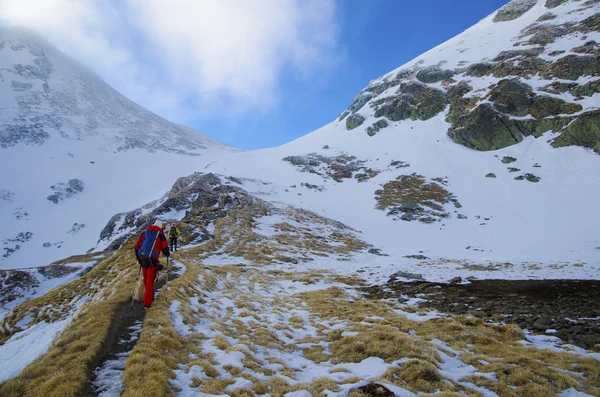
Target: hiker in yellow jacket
(173, 235)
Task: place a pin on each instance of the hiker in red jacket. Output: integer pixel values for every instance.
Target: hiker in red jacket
(147, 250)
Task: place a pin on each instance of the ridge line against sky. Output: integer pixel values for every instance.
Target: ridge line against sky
(253, 73)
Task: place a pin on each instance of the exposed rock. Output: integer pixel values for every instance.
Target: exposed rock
(510, 54)
(554, 3)
(485, 129)
(514, 10)
(412, 197)
(407, 275)
(433, 74)
(64, 191)
(529, 177)
(583, 131)
(512, 96)
(357, 104)
(6, 195)
(543, 34)
(547, 17)
(520, 66)
(337, 168)
(590, 48)
(15, 284)
(373, 390)
(571, 67)
(414, 100)
(372, 130)
(57, 270)
(539, 127)
(353, 121)
(479, 69)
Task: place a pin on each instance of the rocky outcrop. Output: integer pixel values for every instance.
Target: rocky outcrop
(485, 129)
(412, 197)
(337, 168)
(413, 100)
(200, 196)
(64, 191)
(353, 121)
(373, 129)
(583, 131)
(514, 10)
(554, 3)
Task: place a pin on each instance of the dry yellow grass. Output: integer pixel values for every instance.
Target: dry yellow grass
(65, 369)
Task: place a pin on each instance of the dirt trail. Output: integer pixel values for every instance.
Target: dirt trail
(106, 379)
(568, 309)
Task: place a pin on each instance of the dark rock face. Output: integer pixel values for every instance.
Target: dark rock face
(374, 390)
(372, 130)
(583, 131)
(512, 97)
(554, 3)
(354, 121)
(514, 10)
(485, 129)
(433, 74)
(199, 196)
(15, 284)
(414, 100)
(572, 67)
(516, 98)
(546, 17)
(479, 69)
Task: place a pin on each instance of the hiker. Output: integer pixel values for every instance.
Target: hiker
(173, 235)
(147, 250)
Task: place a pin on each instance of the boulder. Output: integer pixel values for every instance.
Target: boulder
(512, 96)
(583, 131)
(413, 100)
(353, 121)
(485, 129)
(372, 130)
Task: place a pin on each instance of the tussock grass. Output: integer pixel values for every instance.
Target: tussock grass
(65, 369)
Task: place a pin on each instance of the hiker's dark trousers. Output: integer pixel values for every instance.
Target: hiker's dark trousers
(173, 243)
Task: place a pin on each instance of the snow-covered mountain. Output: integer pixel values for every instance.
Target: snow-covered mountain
(478, 159)
(74, 151)
(483, 148)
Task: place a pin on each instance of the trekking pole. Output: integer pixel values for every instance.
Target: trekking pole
(135, 285)
(167, 279)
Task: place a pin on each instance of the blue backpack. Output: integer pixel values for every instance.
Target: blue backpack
(147, 248)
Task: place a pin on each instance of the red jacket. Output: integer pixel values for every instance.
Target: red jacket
(161, 242)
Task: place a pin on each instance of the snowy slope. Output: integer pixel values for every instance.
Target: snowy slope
(58, 123)
(507, 220)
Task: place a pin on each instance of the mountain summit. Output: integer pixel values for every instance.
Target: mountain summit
(74, 151)
(47, 96)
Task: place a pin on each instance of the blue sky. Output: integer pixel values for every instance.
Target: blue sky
(375, 37)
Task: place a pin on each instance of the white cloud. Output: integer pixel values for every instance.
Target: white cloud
(184, 57)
